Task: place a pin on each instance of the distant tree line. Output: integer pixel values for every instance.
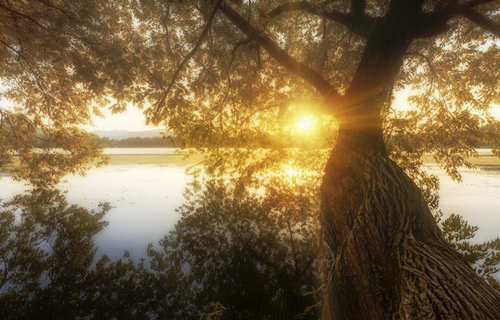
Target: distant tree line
(319, 138)
(489, 135)
(138, 142)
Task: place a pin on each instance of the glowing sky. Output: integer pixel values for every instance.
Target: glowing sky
(134, 120)
(131, 120)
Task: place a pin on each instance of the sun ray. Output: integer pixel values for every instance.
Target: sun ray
(305, 123)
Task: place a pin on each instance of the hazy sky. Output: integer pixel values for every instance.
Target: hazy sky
(495, 111)
(131, 120)
(134, 120)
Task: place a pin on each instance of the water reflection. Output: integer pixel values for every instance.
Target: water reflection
(234, 254)
(143, 200)
(476, 198)
(240, 256)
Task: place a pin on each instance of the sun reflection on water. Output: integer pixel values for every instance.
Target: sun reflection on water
(293, 172)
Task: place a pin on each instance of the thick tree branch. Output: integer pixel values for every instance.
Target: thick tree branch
(432, 24)
(191, 53)
(308, 7)
(482, 21)
(357, 23)
(475, 3)
(22, 15)
(278, 53)
(358, 7)
(5, 44)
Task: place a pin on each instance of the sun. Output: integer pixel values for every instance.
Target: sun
(305, 123)
(292, 172)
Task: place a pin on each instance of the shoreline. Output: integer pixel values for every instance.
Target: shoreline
(175, 157)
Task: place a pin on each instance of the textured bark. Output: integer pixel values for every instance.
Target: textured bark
(385, 255)
(386, 258)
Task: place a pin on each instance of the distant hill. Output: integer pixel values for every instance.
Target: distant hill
(134, 139)
(136, 142)
(123, 134)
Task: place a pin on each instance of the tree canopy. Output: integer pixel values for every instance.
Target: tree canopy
(238, 73)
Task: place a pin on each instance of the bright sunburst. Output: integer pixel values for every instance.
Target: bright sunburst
(292, 172)
(305, 123)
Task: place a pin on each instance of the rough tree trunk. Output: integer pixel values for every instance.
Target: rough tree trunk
(388, 259)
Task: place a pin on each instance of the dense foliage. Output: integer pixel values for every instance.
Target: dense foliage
(220, 73)
(212, 85)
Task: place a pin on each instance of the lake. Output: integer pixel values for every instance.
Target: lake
(145, 185)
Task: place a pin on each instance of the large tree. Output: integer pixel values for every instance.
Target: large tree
(226, 72)
(387, 256)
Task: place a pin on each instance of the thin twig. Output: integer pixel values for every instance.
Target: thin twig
(203, 34)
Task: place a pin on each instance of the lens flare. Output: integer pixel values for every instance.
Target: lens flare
(305, 123)
(292, 172)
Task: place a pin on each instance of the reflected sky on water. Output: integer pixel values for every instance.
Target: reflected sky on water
(144, 198)
(477, 198)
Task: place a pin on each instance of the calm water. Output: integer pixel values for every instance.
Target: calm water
(477, 198)
(144, 198)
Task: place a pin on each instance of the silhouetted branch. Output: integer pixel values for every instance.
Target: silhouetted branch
(235, 49)
(475, 3)
(191, 53)
(22, 15)
(424, 57)
(358, 7)
(49, 4)
(483, 21)
(358, 23)
(432, 24)
(29, 66)
(276, 52)
(10, 47)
